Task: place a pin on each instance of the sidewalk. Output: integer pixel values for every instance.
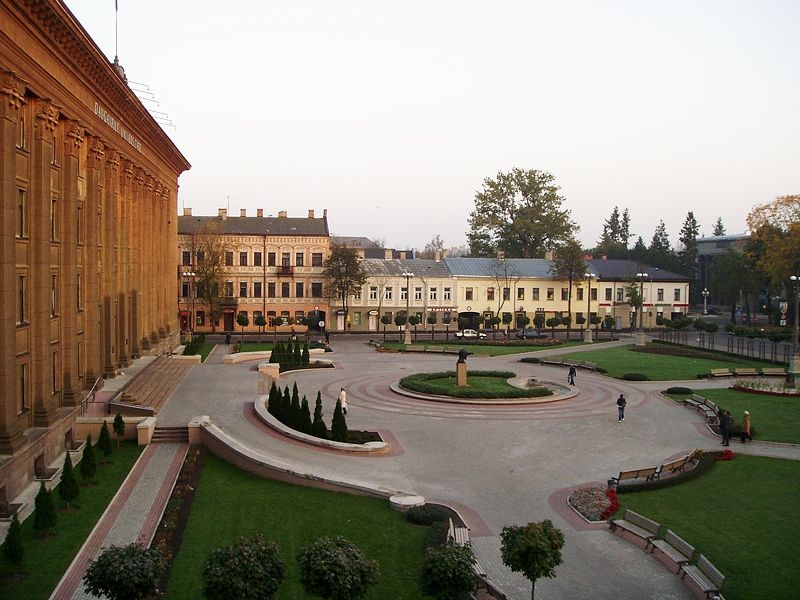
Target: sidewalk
(132, 516)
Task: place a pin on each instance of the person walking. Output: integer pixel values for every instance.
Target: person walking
(343, 401)
(746, 428)
(621, 402)
(725, 427)
(571, 375)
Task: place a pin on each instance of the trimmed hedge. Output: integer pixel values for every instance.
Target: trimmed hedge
(427, 514)
(678, 390)
(635, 377)
(419, 383)
(534, 360)
(703, 466)
(708, 354)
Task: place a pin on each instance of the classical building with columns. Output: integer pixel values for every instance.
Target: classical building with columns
(89, 186)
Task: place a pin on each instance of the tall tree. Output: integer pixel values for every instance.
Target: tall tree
(719, 228)
(533, 550)
(616, 232)
(775, 232)
(520, 213)
(688, 252)
(660, 253)
(436, 245)
(733, 273)
(68, 490)
(344, 272)
(209, 248)
(639, 250)
(568, 265)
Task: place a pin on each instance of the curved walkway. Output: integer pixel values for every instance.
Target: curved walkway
(497, 465)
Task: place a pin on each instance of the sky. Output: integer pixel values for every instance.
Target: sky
(391, 115)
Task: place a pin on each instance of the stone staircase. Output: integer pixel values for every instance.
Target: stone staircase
(170, 435)
(154, 384)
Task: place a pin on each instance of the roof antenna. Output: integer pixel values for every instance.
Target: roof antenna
(117, 67)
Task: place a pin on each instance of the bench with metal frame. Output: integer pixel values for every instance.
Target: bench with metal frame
(648, 473)
(705, 575)
(675, 548)
(637, 524)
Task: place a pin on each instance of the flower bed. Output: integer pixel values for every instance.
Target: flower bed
(756, 386)
(594, 503)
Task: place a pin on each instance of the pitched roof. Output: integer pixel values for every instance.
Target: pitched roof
(537, 268)
(396, 267)
(622, 270)
(256, 225)
(354, 241)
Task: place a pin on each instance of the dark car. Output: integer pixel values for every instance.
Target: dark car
(712, 310)
(530, 334)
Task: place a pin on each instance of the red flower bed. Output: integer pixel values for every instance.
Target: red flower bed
(613, 504)
(726, 455)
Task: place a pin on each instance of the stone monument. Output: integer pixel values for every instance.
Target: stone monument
(461, 368)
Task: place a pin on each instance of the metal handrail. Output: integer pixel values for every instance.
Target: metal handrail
(91, 393)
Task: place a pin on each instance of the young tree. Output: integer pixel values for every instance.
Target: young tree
(88, 464)
(272, 399)
(119, 427)
(386, 320)
(436, 245)
(210, 270)
(297, 355)
(334, 568)
(732, 274)
(13, 550)
(552, 323)
(294, 409)
(242, 321)
(318, 427)
(44, 514)
(104, 442)
(68, 490)
(124, 573)
(344, 272)
(447, 573)
(719, 228)
(338, 424)
(569, 265)
(305, 358)
(286, 407)
(520, 213)
(305, 416)
(505, 277)
(251, 569)
(533, 550)
(259, 321)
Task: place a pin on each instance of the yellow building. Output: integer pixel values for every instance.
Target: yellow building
(89, 185)
(272, 267)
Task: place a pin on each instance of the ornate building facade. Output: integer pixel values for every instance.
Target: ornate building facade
(89, 186)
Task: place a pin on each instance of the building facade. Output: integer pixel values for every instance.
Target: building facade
(271, 267)
(89, 189)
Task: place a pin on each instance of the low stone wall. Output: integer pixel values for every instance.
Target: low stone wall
(238, 357)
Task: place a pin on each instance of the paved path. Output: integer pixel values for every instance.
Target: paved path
(132, 516)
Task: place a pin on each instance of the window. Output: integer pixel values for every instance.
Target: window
(468, 294)
(373, 292)
(243, 289)
(316, 259)
(298, 289)
(564, 293)
(200, 257)
(316, 289)
(186, 258)
(21, 313)
(271, 289)
(229, 289)
(79, 227)
(593, 295)
(403, 293)
(185, 289)
(284, 289)
(520, 293)
(286, 259)
(270, 259)
(580, 293)
(22, 207)
(21, 132)
(79, 359)
(490, 294)
(551, 294)
(620, 292)
(506, 293)
(229, 260)
(432, 293)
(608, 294)
(356, 319)
(256, 315)
(387, 293)
(298, 315)
(417, 293)
(201, 317)
(660, 294)
(448, 293)
(535, 294)
(256, 289)
(54, 373)
(53, 295)
(53, 219)
(271, 318)
(256, 259)
(677, 294)
(54, 160)
(22, 393)
(242, 259)
(300, 259)
(242, 313)
(357, 294)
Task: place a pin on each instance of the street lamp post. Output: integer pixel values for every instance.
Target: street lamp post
(640, 337)
(587, 337)
(407, 332)
(794, 361)
(191, 276)
(705, 293)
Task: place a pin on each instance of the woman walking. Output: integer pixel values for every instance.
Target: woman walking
(746, 428)
(343, 401)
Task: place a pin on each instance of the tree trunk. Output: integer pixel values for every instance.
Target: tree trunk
(533, 588)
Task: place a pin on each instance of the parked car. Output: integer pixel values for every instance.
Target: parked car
(470, 333)
(531, 334)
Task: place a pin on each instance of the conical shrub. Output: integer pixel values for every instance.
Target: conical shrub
(318, 427)
(44, 514)
(68, 490)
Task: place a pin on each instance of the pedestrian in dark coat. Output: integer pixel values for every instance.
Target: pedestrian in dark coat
(725, 427)
(571, 375)
(621, 402)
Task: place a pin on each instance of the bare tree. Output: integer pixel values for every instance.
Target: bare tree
(506, 277)
(209, 248)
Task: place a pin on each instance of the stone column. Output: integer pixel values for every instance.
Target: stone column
(146, 267)
(109, 265)
(44, 307)
(12, 98)
(93, 331)
(161, 216)
(73, 141)
(123, 266)
(136, 263)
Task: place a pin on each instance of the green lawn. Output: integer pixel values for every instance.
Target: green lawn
(658, 367)
(45, 560)
(742, 516)
(485, 349)
(231, 503)
(256, 347)
(480, 384)
(774, 418)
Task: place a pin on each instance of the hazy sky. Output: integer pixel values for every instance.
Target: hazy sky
(390, 115)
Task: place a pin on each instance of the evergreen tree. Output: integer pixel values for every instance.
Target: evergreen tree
(273, 356)
(13, 551)
(318, 428)
(294, 410)
(68, 489)
(639, 250)
(88, 461)
(305, 417)
(719, 228)
(286, 406)
(338, 424)
(305, 356)
(271, 402)
(297, 357)
(688, 252)
(104, 442)
(660, 253)
(614, 239)
(44, 515)
(119, 427)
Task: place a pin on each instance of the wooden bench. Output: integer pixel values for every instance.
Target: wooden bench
(675, 548)
(773, 372)
(459, 535)
(679, 464)
(552, 361)
(711, 411)
(588, 365)
(648, 473)
(748, 372)
(638, 525)
(694, 401)
(705, 575)
(721, 373)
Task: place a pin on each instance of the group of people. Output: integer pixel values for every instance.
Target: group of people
(725, 427)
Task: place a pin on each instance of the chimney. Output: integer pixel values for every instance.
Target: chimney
(187, 212)
(548, 255)
(387, 253)
(223, 213)
(259, 212)
(310, 213)
(281, 214)
(324, 213)
(242, 212)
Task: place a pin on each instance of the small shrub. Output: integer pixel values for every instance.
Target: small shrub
(601, 370)
(535, 360)
(427, 514)
(124, 573)
(635, 377)
(13, 550)
(335, 568)
(679, 390)
(251, 569)
(436, 535)
(447, 572)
